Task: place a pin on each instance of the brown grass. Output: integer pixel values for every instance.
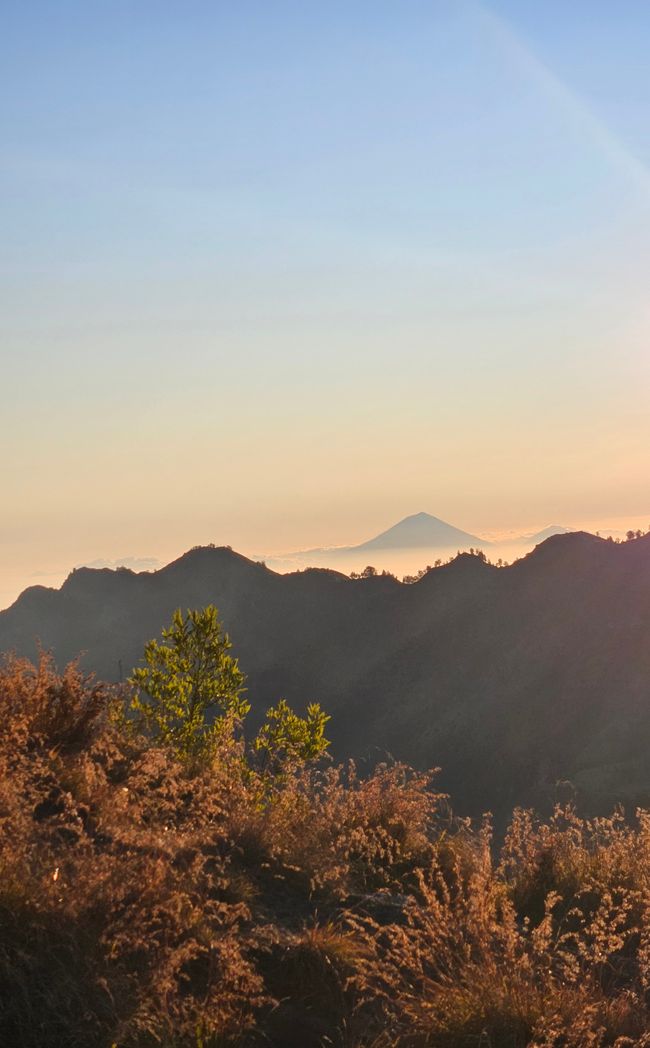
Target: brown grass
(142, 905)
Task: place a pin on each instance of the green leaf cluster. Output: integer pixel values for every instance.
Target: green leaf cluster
(286, 740)
(191, 690)
(189, 696)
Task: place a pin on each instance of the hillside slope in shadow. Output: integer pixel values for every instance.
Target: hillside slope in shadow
(525, 684)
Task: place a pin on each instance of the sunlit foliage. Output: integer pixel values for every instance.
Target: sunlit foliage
(147, 900)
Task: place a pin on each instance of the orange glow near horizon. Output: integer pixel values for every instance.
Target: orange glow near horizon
(273, 303)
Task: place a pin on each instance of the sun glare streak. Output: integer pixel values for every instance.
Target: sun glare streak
(564, 97)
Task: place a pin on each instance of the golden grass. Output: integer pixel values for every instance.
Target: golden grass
(142, 905)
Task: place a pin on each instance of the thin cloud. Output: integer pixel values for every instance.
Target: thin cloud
(557, 91)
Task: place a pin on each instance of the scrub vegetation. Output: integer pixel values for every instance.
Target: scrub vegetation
(167, 880)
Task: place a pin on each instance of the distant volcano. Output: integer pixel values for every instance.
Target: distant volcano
(418, 531)
(421, 531)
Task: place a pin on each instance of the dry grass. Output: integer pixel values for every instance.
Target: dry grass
(141, 905)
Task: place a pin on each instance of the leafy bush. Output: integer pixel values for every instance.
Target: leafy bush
(189, 697)
(184, 681)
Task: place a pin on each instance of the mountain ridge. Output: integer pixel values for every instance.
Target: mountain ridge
(510, 678)
(422, 531)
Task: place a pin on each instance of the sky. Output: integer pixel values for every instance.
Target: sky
(278, 274)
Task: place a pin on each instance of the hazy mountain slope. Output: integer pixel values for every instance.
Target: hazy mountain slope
(420, 534)
(545, 533)
(509, 678)
(422, 531)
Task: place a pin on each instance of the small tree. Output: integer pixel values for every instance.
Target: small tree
(187, 678)
(189, 697)
(286, 740)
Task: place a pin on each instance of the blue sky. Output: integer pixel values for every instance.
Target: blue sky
(275, 274)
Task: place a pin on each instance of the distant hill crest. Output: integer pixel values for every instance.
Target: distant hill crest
(545, 533)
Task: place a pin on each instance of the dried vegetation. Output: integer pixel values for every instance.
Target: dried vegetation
(142, 905)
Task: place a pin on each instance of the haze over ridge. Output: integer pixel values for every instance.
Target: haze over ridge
(268, 288)
(505, 543)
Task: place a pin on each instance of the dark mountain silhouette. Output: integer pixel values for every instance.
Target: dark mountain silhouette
(421, 531)
(510, 678)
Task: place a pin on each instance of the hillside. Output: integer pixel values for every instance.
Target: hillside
(148, 898)
(511, 679)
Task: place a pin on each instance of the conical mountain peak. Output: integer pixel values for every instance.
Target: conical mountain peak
(422, 530)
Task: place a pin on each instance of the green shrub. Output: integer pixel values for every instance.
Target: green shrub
(190, 692)
(189, 698)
